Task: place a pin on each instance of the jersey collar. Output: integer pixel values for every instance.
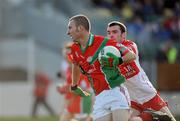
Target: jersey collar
(89, 43)
(91, 39)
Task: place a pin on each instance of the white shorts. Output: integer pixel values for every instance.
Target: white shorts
(109, 100)
(140, 88)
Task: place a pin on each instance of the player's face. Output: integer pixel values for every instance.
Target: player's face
(114, 32)
(73, 31)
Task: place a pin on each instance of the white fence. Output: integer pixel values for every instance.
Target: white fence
(16, 97)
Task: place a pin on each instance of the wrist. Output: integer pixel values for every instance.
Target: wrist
(74, 87)
(120, 60)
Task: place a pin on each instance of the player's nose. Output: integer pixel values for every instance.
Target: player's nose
(68, 33)
(111, 36)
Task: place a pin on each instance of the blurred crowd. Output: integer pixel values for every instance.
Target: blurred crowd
(163, 14)
(151, 23)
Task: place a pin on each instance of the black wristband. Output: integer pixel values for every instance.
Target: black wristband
(120, 61)
(74, 87)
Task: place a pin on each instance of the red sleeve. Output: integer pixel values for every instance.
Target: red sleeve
(123, 50)
(68, 76)
(133, 47)
(74, 53)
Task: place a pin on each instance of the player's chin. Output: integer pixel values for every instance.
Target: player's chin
(75, 40)
(71, 37)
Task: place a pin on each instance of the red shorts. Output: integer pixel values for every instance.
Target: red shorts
(69, 95)
(156, 103)
(74, 105)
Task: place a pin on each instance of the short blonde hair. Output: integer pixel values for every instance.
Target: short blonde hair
(81, 20)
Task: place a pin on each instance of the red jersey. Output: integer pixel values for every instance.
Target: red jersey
(42, 82)
(95, 74)
(130, 69)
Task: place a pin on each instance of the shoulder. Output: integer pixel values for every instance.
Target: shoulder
(98, 38)
(131, 45)
(129, 42)
(74, 46)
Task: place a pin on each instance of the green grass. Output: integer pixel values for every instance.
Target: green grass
(42, 119)
(29, 119)
(178, 118)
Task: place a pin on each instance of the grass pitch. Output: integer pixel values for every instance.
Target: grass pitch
(29, 119)
(43, 119)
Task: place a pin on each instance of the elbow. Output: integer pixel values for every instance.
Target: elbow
(133, 56)
(129, 57)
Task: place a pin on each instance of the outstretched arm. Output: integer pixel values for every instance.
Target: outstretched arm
(75, 78)
(127, 55)
(75, 74)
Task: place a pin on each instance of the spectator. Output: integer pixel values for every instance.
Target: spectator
(42, 82)
(167, 53)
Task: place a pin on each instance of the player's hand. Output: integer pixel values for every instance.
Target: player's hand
(115, 59)
(104, 61)
(77, 90)
(113, 76)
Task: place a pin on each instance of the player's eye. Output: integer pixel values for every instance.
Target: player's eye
(114, 32)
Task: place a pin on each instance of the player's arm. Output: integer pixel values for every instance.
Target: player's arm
(127, 55)
(75, 78)
(133, 48)
(75, 74)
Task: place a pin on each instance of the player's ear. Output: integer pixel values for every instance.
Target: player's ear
(80, 28)
(123, 35)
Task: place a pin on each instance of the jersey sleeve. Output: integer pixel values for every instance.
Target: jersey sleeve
(133, 48)
(123, 49)
(73, 54)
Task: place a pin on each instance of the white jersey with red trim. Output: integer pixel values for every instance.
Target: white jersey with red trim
(140, 88)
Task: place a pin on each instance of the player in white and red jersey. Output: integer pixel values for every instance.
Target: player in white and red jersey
(142, 93)
(111, 100)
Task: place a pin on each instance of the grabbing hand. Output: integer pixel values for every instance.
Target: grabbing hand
(113, 76)
(115, 59)
(77, 90)
(104, 61)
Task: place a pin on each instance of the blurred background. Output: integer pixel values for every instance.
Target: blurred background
(33, 33)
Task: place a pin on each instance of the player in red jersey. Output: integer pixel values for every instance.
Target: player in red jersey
(142, 93)
(42, 83)
(111, 100)
(75, 105)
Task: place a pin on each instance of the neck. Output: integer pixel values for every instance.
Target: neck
(123, 39)
(84, 40)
